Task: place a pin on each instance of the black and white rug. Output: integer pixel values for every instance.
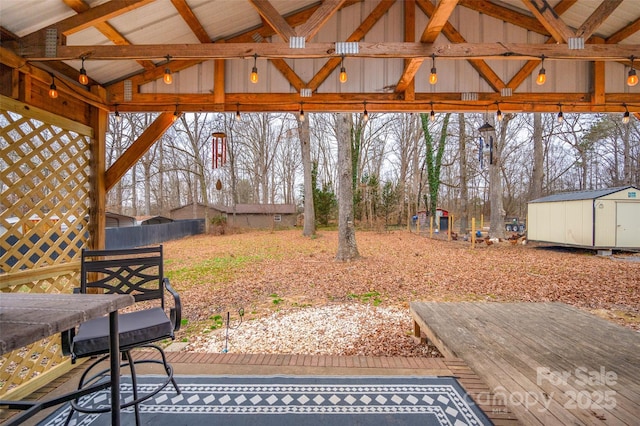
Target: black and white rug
(293, 400)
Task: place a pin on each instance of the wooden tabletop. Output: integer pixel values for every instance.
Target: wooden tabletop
(26, 318)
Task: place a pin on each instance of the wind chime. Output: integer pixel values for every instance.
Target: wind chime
(219, 153)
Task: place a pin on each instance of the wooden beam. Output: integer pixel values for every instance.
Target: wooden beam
(106, 29)
(502, 13)
(90, 18)
(97, 207)
(438, 19)
(433, 29)
(218, 81)
(406, 83)
(550, 20)
(458, 49)
(192, 21)
(381, 102)
(454, 36)
(320, 17)
(137, 149)
(528, 68)
(273, 18)
(598, 82)
(593, 22)
(12, 60)
(624, 33)
(381, 8)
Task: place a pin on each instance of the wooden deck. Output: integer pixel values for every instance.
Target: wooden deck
(549, 362)
(192, 363)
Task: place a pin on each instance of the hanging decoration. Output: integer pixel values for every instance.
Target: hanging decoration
(219, 149)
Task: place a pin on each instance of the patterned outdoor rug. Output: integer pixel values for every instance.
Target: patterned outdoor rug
(294, 400)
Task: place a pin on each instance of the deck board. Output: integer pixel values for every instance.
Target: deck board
(511, 345)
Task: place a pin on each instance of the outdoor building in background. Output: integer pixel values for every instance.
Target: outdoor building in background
(116, 220)
(258, 216)
(597, 219)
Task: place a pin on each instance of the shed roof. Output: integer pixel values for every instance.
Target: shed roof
(581, 195)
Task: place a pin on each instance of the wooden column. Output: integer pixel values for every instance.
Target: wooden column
(98, 192)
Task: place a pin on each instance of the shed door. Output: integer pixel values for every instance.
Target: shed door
(628, 225)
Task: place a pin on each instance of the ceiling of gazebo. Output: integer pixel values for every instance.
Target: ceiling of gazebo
(487, 53)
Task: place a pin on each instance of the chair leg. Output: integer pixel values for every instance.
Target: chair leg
(134, 386)
(168, 369)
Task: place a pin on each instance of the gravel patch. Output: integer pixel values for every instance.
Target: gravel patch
(345, 329)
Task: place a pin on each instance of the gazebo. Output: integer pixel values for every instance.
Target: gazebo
(67, 64)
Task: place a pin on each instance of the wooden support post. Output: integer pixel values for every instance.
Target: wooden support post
(473, 232)
(417, 334)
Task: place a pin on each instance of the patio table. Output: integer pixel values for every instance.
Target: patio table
(26, 318)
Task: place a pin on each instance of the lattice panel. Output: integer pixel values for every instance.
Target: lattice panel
(44, 206)
(44, 174)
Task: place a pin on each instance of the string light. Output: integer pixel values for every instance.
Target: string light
(433, 77)
(238, 117)
(175, 114)
(254, 71)
(499, 113)
(83, 78)
(560, 115)
(432, 114)
(365, 114)
(53, 90)
(301, 116)
(625, 116)
(542, 74)
(343, 72)
(118, 117)
(168, 78)
(632, 79)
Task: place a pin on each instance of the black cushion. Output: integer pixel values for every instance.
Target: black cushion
(135, 328)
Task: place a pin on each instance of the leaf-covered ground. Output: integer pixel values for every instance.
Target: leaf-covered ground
(264, 272)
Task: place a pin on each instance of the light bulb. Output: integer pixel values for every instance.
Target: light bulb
(542, 77)
(499, 114)
(343, 75)
(560, 117)
(432, 115)
(82, 78)
(632, 80)
(433, 77)
(168, 78)
(53, 91)
(625, 117)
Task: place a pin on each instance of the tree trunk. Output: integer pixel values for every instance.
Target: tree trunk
(537, 177)
(309, 228)
(347, 247)
(464, 190)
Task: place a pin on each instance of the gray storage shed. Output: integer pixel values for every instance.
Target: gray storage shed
(598, 219)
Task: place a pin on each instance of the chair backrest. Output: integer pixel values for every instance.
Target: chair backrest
(136, 271)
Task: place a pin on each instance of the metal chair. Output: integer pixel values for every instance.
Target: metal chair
(138, 272)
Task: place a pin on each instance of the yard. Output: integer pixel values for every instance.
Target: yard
(298, 299)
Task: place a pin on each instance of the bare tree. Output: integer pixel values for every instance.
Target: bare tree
(347, 247)
(537, 176)
(464, 189)
(309, 227)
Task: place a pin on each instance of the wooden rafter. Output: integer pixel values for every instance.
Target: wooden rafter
(625, 32)
(106, 29)
(550, 19)
(137, 149)
(274, 19)
(319, 18)
(192, 21)
(437, 21)
(90, 18)
(381, 8)
(593, 22)
(454, 36)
